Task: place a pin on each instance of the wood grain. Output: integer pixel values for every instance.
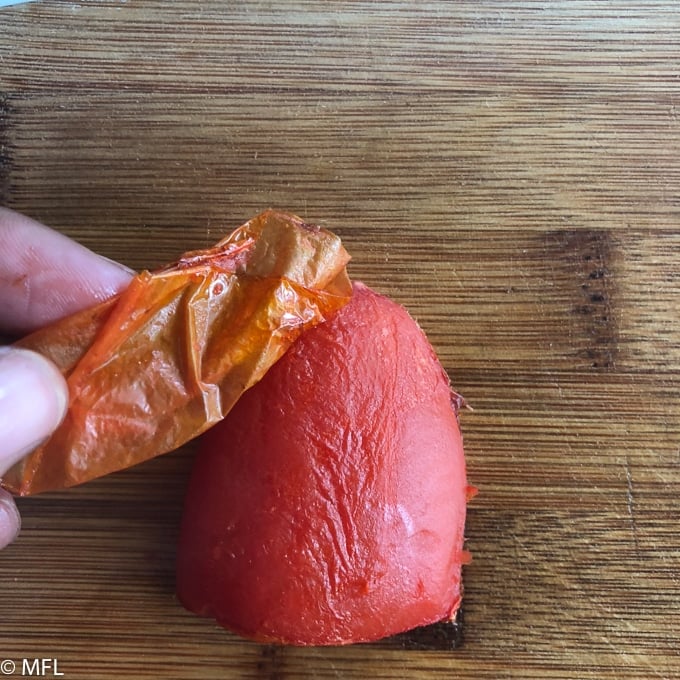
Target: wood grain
(510, 172)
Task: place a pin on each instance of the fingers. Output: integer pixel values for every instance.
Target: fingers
(10, 520)
(33, 400)
(45, 276)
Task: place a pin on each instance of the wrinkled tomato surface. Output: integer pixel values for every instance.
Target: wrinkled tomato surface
(329, 506)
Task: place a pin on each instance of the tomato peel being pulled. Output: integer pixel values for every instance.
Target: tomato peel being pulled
(155, 366)
(329, 506)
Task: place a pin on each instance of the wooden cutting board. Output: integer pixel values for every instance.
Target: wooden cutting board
(509, 171)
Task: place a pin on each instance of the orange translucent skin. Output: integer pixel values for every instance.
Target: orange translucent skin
(329, 506)
(157, 365)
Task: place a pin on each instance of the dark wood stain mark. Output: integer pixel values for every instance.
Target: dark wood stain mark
(5, 159)
(443, 636)
(588, 256)
(270, 663)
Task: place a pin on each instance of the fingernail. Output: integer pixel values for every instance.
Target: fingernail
(123, 267)
(10, 520)
(33, 400)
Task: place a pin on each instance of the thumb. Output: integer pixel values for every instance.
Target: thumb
(33, 399)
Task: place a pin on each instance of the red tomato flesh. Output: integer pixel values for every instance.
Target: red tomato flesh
(329, 506)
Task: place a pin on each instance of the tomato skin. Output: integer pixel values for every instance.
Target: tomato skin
(329, 506)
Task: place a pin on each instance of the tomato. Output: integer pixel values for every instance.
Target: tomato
(329, 506)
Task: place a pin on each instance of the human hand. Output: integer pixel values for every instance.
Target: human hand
(43, 276)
